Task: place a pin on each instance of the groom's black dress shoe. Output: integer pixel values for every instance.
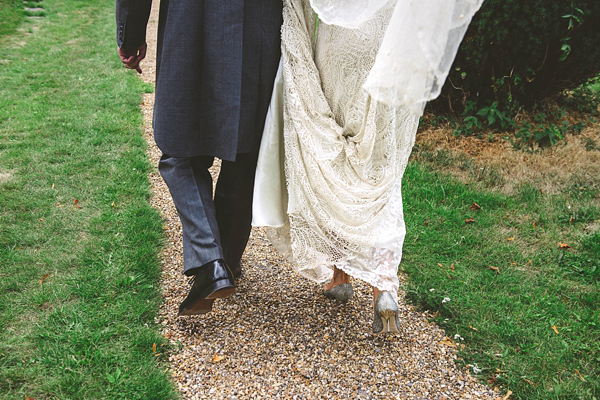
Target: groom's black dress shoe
(212, 281)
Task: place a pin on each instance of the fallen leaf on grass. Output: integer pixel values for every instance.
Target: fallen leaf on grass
(555, 329)
(154, 350)
(495, 269)
(528, 381)
(452, 267)
(563, 246)
(440, 265)
(216, 358)
(511, 238)
(475, 207)
(469, 220)
(76, 203)
(43, 278)
(507, 395)
(448, 342)
(580, 376)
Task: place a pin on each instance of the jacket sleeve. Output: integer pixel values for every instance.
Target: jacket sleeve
(132, 18)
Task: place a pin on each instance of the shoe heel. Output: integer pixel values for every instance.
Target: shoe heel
(388, 318)
(221, 289)
(386, 311)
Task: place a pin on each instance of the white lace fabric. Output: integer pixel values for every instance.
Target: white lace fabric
(334, 198)
(344, 153)
(347, 13)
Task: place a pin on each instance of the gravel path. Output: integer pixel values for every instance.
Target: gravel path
(279, 337)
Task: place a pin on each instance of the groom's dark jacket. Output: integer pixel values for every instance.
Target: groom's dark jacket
(216, 62)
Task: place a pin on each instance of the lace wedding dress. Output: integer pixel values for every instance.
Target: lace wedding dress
(341, 127)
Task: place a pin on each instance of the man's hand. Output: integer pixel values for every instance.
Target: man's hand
(132, 59)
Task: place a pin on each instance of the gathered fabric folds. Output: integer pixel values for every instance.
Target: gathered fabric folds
(334, 151)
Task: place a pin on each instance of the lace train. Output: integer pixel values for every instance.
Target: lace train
(345, 153)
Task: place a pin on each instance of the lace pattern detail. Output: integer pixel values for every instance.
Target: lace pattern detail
(345, 153)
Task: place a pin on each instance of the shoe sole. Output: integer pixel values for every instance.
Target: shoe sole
(202, 306)
(218, 290)
(221, 294)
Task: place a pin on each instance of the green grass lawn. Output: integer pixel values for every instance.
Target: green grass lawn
(78, 240)
(525, 309)
(11, 15)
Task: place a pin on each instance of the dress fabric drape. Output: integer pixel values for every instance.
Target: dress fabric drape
(418, 47)
(344, 153)
(332, 157)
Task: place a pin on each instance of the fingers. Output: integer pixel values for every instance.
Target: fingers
(132, 59)
(142, 51)
(134, 63)
(129, 60)
(141, 55)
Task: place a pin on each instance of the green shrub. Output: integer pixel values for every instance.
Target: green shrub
(520, 52)
(585, 98)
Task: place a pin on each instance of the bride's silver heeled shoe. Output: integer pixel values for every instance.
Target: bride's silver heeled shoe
(385, 318)
(343, 292)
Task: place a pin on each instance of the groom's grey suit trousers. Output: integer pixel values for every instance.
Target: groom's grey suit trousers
(212, 228)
